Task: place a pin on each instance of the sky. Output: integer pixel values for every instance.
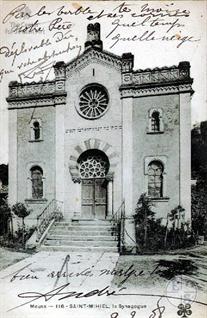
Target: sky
(148, 54)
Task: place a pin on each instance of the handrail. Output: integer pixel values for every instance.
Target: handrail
(119, 220)
(122, 228)
(52, 211)
(117, 215)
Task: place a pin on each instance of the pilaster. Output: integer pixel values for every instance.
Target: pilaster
(185, 154)
(13, 196)
(127, 139)
(59, 153)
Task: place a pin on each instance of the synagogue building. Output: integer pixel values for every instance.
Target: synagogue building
(99, 135)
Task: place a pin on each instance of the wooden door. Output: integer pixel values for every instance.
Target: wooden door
(100, 198)
(94, 198)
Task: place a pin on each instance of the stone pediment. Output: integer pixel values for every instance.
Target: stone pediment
(93, 55)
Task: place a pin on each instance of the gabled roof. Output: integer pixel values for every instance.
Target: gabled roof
(91, 54)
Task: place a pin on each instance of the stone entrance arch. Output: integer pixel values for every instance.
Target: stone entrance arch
(95, 146)
(92, 143)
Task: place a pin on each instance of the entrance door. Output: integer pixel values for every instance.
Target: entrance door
(94, 198)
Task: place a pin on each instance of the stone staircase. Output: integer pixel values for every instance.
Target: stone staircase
(81, 235)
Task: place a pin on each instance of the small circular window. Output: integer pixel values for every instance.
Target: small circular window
(93, 101)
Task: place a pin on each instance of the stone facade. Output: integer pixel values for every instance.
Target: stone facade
(98, 106)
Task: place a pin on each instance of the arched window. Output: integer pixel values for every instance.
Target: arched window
(155, 121)
(36, 130)
(93, 164)
(36, 127)
(155, 179)
(37, 182)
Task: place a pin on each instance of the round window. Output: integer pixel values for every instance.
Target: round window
(93, 164)
(93, 101)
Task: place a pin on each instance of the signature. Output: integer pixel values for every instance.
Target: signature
(61, 294)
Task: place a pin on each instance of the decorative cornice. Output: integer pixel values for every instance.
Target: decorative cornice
(135, 91)
(95, 55)
(40, 101)
(38, 93)
(149, 78)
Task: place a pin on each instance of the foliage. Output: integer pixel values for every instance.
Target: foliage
(144, 216)
(5, 217)
(199, 210)
(22, 212)
(15, 242)
(4, 173)
(199, 172)
(153, 236)
(28, 231)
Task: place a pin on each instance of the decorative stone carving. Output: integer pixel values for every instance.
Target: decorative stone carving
(59, 69)
(158, 75)
(92, 54)
(19, 90)
(137, 91)
(92, 144)
(76, 179)
(110, 176)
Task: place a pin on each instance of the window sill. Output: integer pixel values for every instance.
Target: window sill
(35, 201)
(38, 140)
(164, 199)
(155, 132)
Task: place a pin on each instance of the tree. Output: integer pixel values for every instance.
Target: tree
(144, 214)
(199, 172)
(5, 217)
(176, 217)
(22, 212)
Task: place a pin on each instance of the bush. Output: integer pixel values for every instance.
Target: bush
(5, 218)
(152, 236)
(21, 211)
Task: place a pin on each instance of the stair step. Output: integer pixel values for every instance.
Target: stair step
(66, 248)
(80, 243)
(81, 233)
(91, 222)
(83, 226)
(80, 238)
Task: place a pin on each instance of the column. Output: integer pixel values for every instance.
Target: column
(77, 213)
(110, 211)
(127, 152)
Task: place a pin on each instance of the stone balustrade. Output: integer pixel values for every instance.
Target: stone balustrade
(158, 75)
(18, 90)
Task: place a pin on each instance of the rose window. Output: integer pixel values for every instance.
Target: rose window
(93, 167)
(93, 101)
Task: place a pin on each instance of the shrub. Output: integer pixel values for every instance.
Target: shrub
(152, 236)
(22, 212)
